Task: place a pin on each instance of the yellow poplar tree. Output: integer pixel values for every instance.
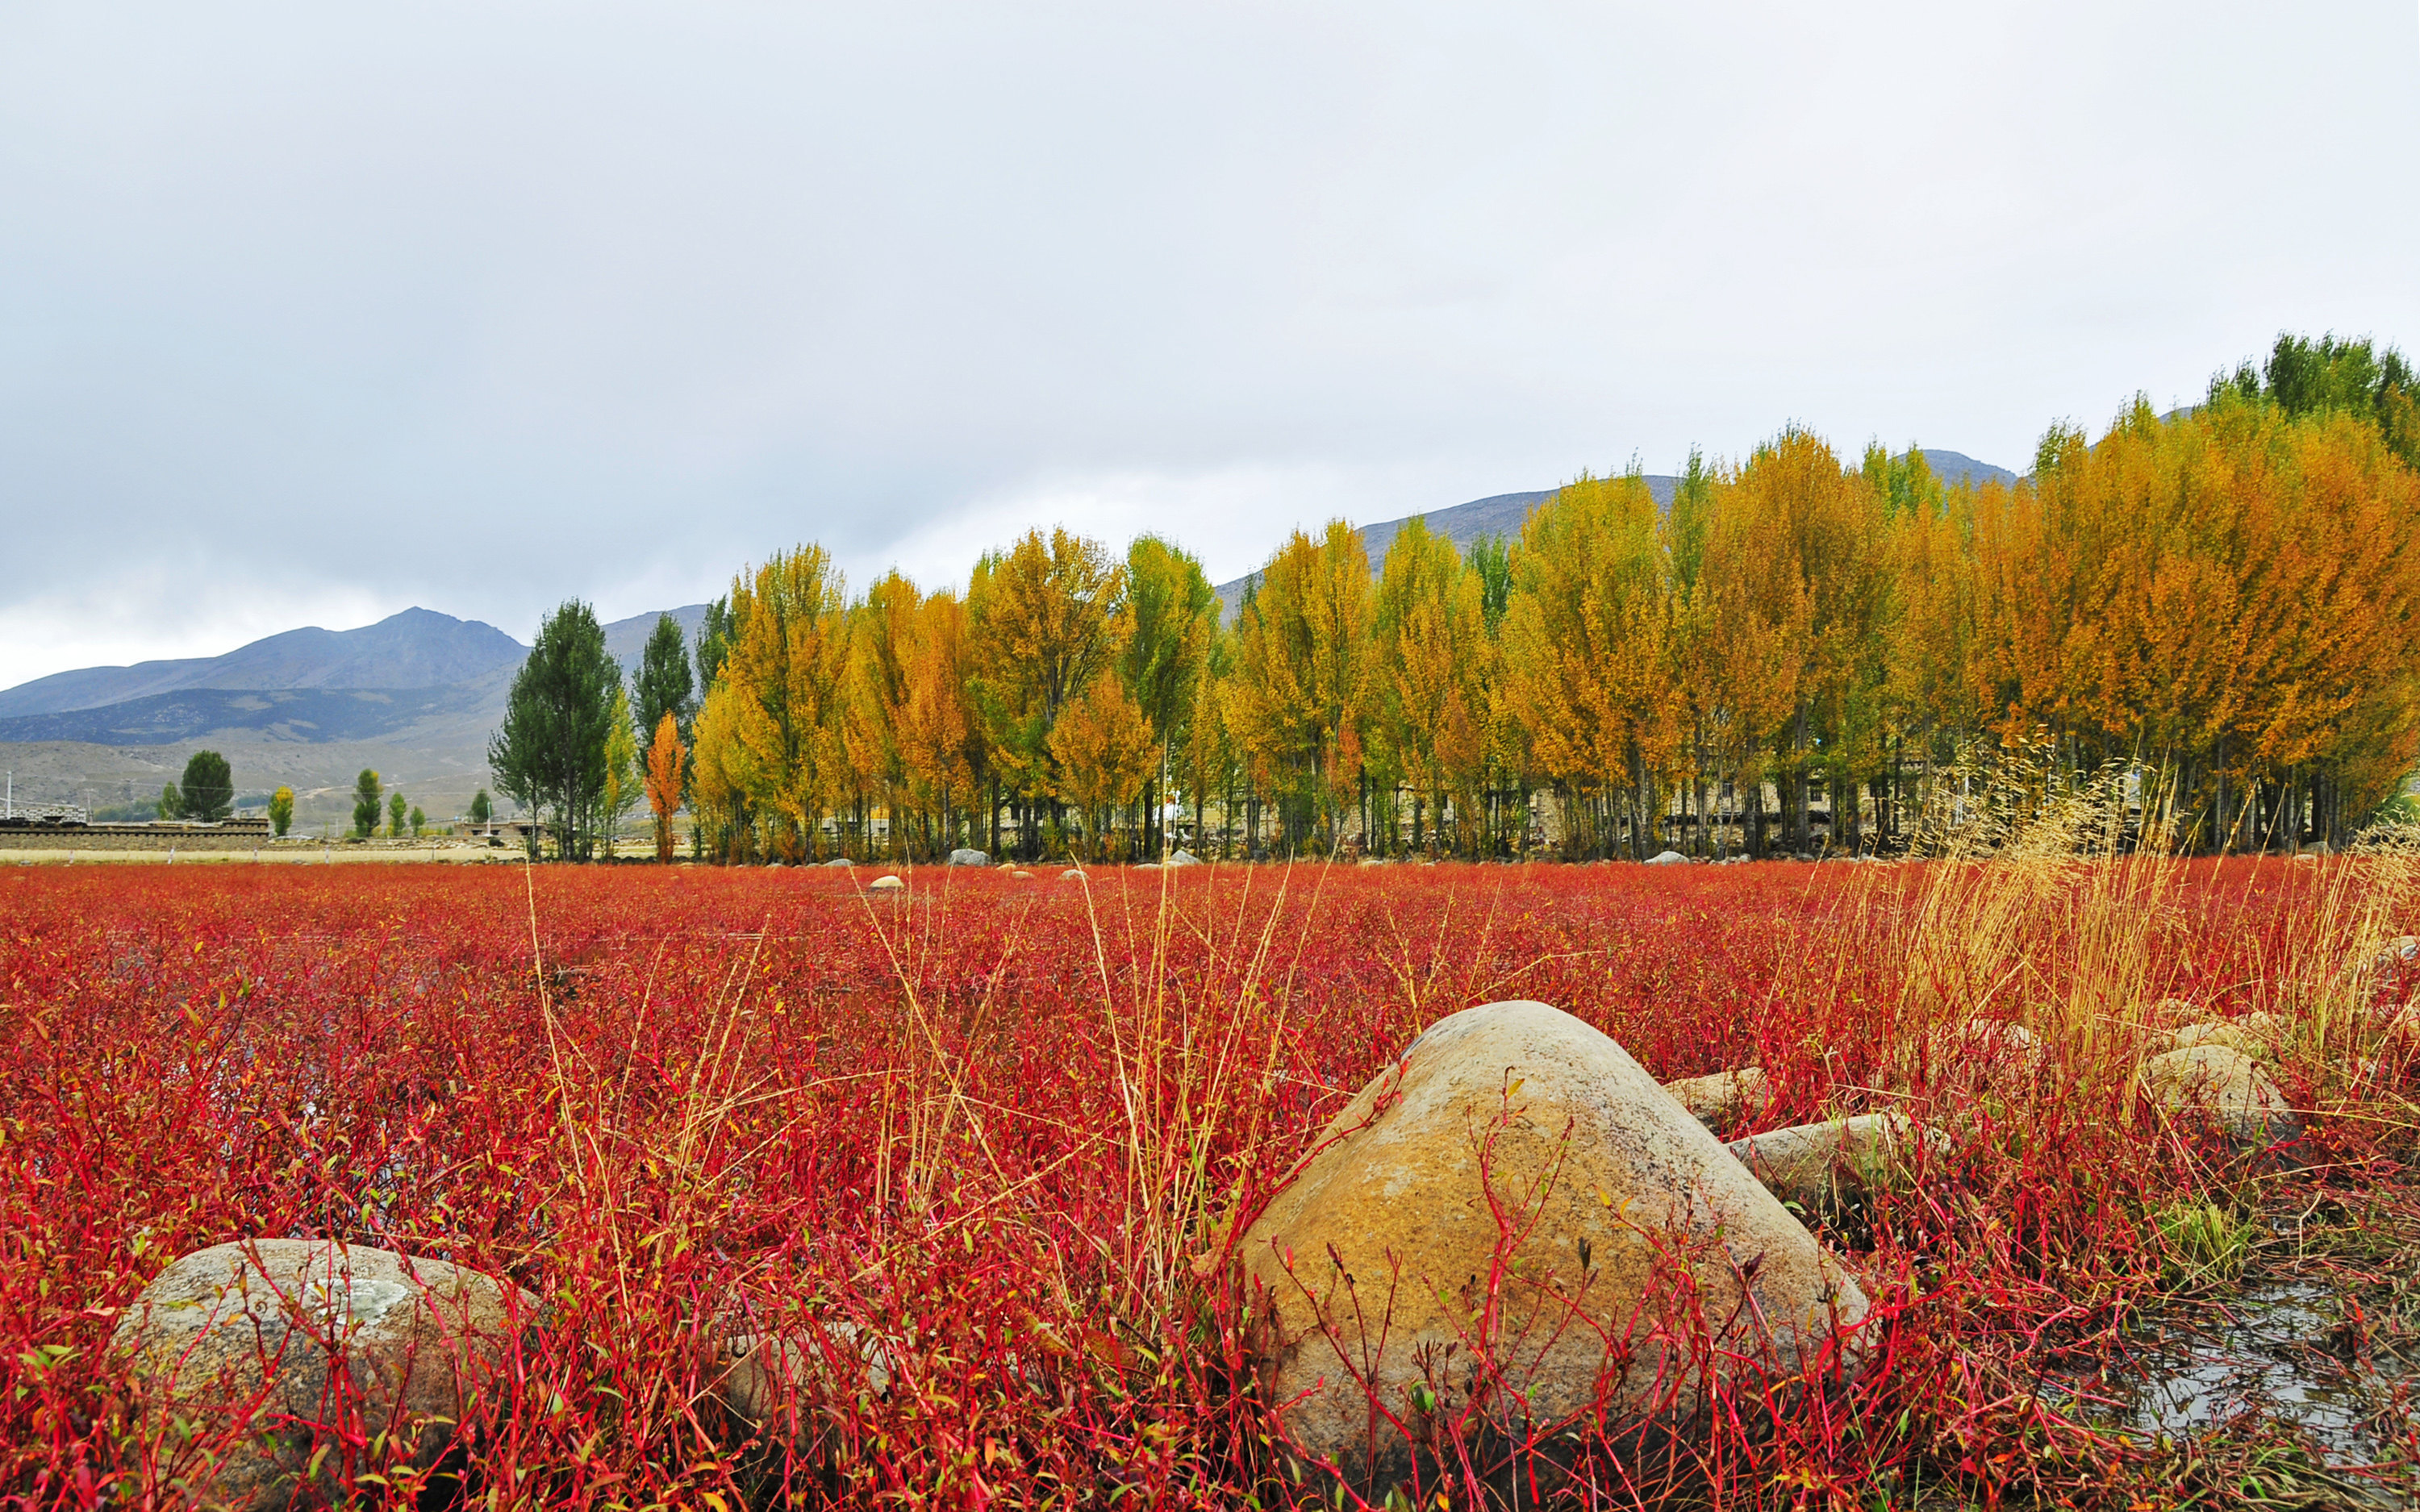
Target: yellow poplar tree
(1432, 661)
(785, 667)
(1297, 703)
(1589, 654)
(1105, 752)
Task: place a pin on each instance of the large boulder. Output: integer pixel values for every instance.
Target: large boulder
(1184, 858)
(962, 857)
(278, 1349)
(1667, 859)
(2228, 1087)
(1511, 1227)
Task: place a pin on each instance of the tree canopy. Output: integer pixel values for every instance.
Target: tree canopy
(550, 754)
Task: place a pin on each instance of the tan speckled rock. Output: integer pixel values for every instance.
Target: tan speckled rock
(2233, 1035)
(1614, 1198)
(1724, 1098)
(886, 884)
(2228, 1086)
(239, 1339)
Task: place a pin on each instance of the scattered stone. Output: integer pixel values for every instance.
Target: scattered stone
(1021, 875)
(773, 1380)
(1390, 1219)
(1810, 1162)
(274, 1347)
(2257, 1035)
(840, 861)
(2180, 1010)
(886, 884)
(962, 857)
(1724, 1098)
(2218, 1032)
(2227, 1085)
(1667, 859)
(1995, 1045)
(1074, 873)
(1146, 866)
(1184, 858)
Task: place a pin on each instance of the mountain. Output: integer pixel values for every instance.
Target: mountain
(298, 715)
(1504, 514)
(1954, 468)
(626, 638)
(417, 648)
(1501, 514)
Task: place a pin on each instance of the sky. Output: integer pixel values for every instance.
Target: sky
(309, 313)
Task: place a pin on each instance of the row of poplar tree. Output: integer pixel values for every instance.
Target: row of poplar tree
(1794, 654)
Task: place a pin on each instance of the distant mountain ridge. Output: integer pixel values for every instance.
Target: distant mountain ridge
(310, 684)
(417, 648)
(305, 716)
(1504, 514)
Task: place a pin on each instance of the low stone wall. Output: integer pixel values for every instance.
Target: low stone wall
(44, 837)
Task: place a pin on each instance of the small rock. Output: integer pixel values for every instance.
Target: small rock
(1390, 1219)
(840, 861)
(1667, 859)
(2180, 1010)
(243, 1340)
(962, 857)
(768, 1375)
(1809, 1163)
(1074, 873)
(2257, 1035)
(2227, 1085)
(886, 884)
(2217, 1032)
(1146, 866)
(1021, 875)
(1184, 858)
(1992, 1044)
(1724, 1098)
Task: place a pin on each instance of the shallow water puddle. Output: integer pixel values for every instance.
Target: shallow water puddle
(2275, 1352)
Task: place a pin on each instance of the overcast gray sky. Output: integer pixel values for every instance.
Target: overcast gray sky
(312, 312)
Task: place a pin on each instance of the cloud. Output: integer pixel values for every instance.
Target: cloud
(484, 306)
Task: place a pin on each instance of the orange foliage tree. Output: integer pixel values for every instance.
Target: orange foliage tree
(667, 758)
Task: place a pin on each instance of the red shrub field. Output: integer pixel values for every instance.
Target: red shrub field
(978, 1146)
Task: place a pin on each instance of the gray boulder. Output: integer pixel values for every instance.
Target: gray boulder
(1811, 1164)
(962, 857)
(1724, 1098)
(281, 1345)
(1667, 859)
(2221, 1083)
